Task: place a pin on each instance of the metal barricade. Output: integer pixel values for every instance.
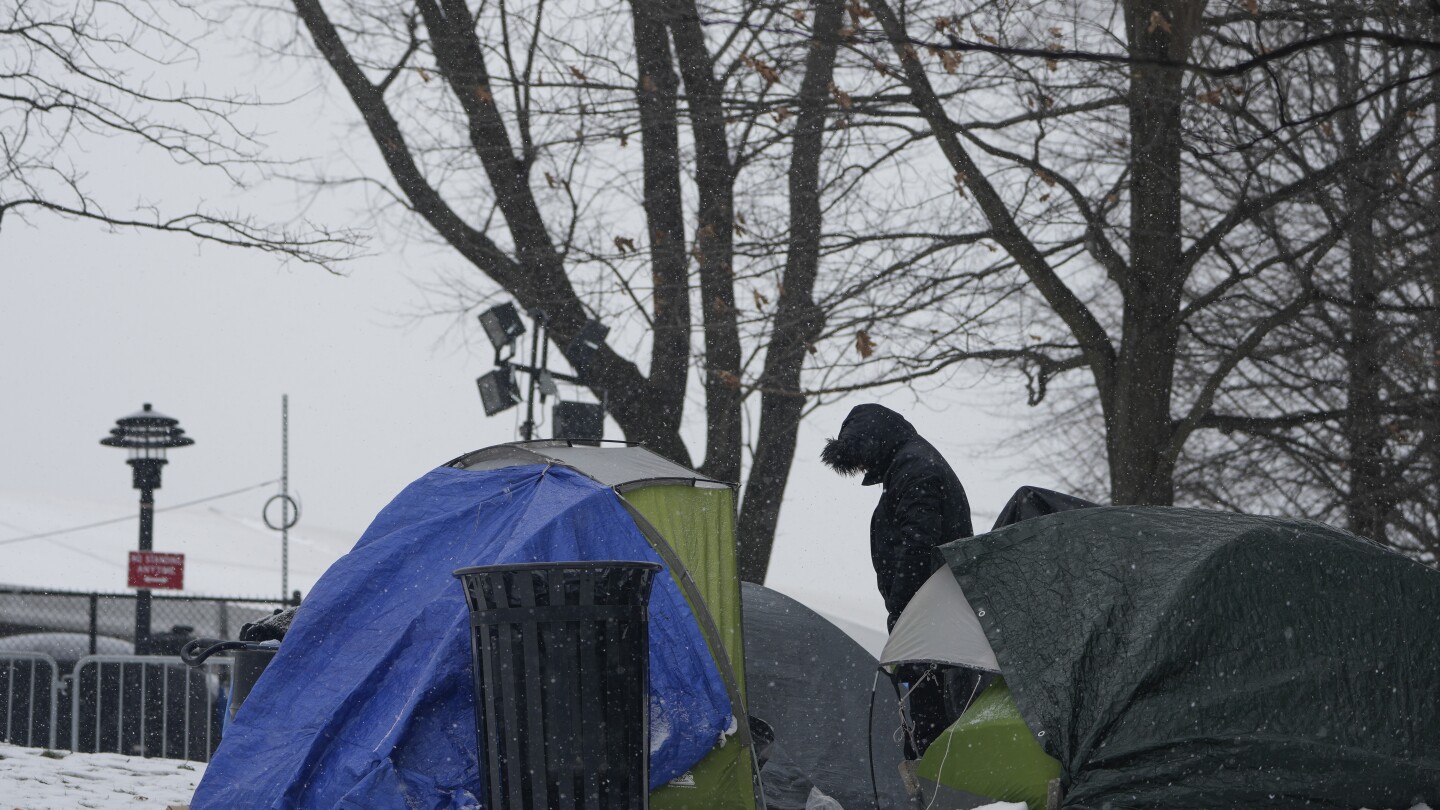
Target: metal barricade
(29, 686)
(150, 706)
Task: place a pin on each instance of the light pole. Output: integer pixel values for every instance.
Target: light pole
(583, 421)
(147, 435)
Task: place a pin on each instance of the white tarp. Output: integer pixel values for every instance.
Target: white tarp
(940, 627)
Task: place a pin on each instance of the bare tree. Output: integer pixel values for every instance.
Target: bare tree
(1141, 189)
(745, 250)
(77, 73)
(1336, 420)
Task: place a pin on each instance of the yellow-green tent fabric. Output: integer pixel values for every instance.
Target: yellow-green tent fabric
(990, 752)
(699, 524)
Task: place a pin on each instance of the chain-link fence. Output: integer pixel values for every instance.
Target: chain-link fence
(68, 678)
(107, 620)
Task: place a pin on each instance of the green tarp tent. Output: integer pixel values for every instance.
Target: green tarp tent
(1179, 658)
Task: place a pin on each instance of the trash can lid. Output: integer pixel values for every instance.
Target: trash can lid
(578, 565)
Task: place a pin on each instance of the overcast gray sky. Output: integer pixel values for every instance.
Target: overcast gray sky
(92, 324)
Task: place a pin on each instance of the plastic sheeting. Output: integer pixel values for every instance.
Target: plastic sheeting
(1032, 502)
(369, 703)
(1179, 658)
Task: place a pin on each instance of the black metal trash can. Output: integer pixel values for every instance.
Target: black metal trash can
(561, 661)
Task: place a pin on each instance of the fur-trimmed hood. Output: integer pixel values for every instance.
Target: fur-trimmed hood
(867, 443)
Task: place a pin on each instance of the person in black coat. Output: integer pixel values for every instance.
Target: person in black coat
(922, 506)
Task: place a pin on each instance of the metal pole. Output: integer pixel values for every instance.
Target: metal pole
(285, 491)
(142, 596)
(527, 430)
(94, 620)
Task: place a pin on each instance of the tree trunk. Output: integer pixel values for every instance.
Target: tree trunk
(714, 244)
(1368, 501)
(1138, 427)
(664, 213)
(798, 321)
(1430, 536)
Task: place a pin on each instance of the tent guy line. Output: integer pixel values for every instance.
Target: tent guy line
(112, 521)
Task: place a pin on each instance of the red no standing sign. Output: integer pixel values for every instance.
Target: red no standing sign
(154, 569)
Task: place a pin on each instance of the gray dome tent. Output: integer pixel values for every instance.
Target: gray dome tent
(812, 684)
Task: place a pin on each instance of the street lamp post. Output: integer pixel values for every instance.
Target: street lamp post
(147, 435)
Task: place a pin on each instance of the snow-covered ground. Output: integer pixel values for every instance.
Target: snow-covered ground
(32, 779)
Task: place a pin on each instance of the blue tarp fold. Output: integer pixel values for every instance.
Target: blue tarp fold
(369, 703)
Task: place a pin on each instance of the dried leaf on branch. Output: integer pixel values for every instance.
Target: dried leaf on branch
(758, 65)
(949, 59)
(864, 345)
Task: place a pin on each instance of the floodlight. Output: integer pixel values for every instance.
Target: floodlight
(583, 421)
(587, 342)
(498, 390)
(502, 325)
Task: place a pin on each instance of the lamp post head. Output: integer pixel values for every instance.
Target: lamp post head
(147, 434)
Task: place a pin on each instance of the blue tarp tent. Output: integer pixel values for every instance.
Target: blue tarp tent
(369, 703)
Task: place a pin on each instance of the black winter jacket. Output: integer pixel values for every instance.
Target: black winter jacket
(922, 506)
